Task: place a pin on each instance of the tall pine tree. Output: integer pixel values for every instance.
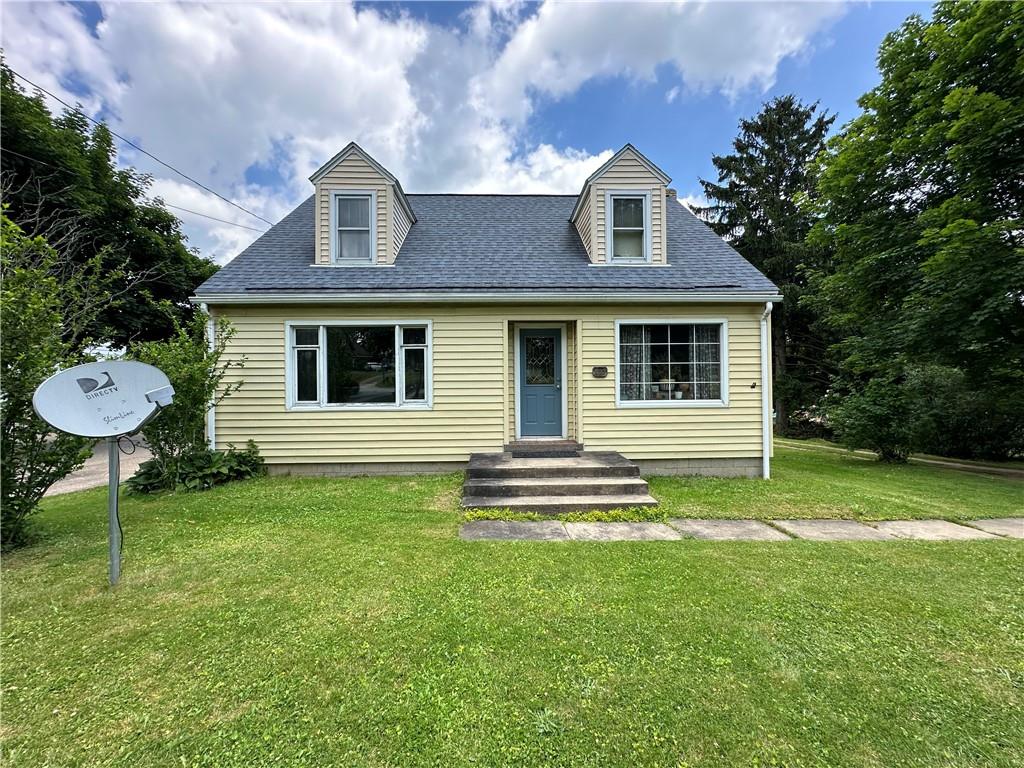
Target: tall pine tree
(755, 205)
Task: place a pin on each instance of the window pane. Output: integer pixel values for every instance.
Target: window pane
(414, 335)
(656, 334)
(628, 245)
(682, 334)
(355, 245)
(631, 334)
(360, 364)
(629, 211)
(706, 334)
(305, 376)
(354, 212)
(307, 337)
(415, 374)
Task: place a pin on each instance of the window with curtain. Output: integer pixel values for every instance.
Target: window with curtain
(671, 362)
(352, 234)
(628, 235)
(359, 365)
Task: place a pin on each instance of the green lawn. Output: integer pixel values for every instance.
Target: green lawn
(809, 483)
(341, 622)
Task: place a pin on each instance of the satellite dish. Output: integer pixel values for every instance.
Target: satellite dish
(105, 399)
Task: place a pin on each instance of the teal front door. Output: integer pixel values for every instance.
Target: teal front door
(540, 382)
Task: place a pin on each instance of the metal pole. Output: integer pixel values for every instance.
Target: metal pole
(114, 465)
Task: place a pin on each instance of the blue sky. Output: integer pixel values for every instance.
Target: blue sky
(493, 96)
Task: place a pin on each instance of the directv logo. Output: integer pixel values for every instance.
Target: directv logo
(92, 388)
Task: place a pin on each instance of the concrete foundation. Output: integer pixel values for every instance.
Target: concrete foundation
(706, 466)
(338, 469)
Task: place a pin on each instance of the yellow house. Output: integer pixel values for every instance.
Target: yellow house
(386, 333)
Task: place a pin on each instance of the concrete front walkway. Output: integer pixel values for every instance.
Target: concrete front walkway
(744, 530)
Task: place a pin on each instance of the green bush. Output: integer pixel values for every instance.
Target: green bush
(199, 469)
(193, 363)
(42, 301)
(878, 417)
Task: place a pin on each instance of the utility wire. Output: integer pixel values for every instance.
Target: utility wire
(169, 205)
(140, 149)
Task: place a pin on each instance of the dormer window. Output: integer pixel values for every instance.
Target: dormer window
(630, 230)
(353, 226)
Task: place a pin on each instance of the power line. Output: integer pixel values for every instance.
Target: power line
(140, 149)
(214, 218)
(169, 205)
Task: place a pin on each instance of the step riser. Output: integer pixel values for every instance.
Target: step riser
(485, 488)
(474, 473)
(559, 509)
(545, 454)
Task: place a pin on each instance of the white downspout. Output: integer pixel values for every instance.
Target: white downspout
(211, 425)
(766, 411)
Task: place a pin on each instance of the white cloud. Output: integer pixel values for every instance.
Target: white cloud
(216, 89)
(672, 94)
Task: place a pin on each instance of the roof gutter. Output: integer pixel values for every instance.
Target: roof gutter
(509, 297)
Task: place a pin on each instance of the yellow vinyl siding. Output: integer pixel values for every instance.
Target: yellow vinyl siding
(474, 389)
(352, 173)
(584, 225)
(401, 227)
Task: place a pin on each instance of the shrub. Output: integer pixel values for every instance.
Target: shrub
(199, 469)
(879, 417)
(194, 365)
(37, 340)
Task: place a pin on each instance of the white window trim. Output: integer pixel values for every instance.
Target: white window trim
(335, 242)
(609, 216)
(416, 405)
(723, 363)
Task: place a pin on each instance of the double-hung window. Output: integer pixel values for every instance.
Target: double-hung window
(353, 236)
(630, 226)
(672, 363)
(359, 365)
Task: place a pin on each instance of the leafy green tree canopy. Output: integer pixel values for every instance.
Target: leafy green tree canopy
(922, 199)
(60, 181)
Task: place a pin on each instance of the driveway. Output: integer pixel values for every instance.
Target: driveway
(94, 473)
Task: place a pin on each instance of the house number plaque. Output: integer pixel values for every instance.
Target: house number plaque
(599, 371)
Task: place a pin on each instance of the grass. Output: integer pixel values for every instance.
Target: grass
(342, 622)
(807, 483)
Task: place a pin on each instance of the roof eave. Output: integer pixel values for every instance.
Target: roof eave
(432, 296)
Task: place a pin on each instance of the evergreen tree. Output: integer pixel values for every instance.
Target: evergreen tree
(755, 205)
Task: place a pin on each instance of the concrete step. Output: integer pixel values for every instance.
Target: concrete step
(559, 504)
(544, 449)
(555, 486)
(587, 464)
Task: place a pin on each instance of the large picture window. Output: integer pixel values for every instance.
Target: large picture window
(359, 365)
(671, 363)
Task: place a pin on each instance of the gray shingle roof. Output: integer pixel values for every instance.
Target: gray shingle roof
(464, 243)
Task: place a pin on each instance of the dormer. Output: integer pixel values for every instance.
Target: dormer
(620, 214)
(362, 214)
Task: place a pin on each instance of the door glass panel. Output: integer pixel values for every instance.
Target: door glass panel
(540, 360)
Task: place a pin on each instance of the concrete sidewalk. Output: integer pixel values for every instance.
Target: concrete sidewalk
(94, 472)
(744, 530)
